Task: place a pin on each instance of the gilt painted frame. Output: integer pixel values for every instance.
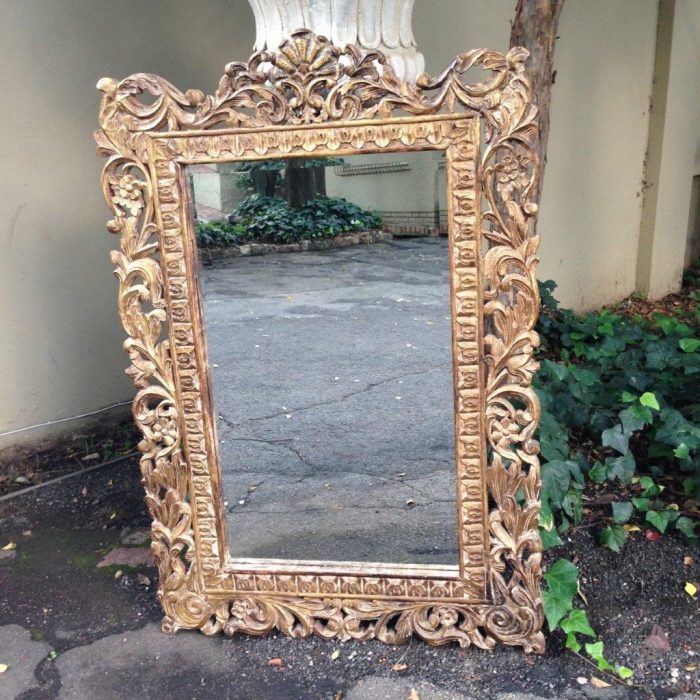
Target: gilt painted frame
(313, 97)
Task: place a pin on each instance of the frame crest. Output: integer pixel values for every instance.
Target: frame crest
(313, 96)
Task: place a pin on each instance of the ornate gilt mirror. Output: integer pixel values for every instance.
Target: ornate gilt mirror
(414, 508)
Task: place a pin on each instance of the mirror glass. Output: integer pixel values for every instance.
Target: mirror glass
(327, 311)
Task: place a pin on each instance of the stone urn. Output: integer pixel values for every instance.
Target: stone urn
(384, 25)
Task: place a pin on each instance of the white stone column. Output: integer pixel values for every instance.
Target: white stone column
(383, 25)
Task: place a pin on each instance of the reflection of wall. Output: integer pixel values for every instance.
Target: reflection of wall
(404, 197)
(407, 189)
(215, 190)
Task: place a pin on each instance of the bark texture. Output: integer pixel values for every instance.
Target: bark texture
(535, 27)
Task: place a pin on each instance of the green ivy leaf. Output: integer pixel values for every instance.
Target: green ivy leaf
(562, 579)
(659, 519)
(615, 438)
(689, 486)
(562, 583)
(631, 421)
(624, 672)
(689, 344)
(595, 651)
(621, 468)
(577, 622)
(649, 399)
(642, 413)
(572, 642)
(622, 511)
(627, 397)
(556, 368)
(686, 525)
(597, 473)
(556, 479)
(682, 451)
(650, 486)
(554, 608)
(550, 538)
(613, 537)
(642, 504)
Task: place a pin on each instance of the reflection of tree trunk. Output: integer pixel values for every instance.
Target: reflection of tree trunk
(264, 182)
(301, 183)
(320, 179)
(535, 28)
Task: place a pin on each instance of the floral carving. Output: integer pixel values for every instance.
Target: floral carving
(512, 173)
(326, 98)
(126, 193)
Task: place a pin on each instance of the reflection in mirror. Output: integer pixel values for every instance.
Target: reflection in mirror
(326, 295)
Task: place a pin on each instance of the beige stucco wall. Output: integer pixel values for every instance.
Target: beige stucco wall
(60, 351)
(674, 153)
(590, 210)
(591, 205)
(692, 249)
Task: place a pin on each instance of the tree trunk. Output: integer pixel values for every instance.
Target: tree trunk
(535, 28)
(301, 183)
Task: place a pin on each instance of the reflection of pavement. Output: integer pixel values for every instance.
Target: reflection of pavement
(332, 380)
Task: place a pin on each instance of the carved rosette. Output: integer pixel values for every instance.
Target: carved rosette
(325, 90)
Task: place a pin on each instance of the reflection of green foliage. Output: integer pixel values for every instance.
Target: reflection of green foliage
(272, 219)
(250, 165)
(269, 219)
(220, 234)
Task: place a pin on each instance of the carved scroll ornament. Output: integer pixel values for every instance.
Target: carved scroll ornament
(337, 99)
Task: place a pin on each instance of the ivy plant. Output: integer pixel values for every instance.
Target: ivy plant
(620, 408)
(620, 403)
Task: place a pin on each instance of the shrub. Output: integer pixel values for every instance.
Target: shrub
(220, 234)
(272, 219)
(621, 406)
(620, 412)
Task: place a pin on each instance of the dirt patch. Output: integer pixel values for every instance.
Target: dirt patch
(681, 305)
(66, 453)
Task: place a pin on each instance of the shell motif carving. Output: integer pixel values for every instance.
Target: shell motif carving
(309, 81)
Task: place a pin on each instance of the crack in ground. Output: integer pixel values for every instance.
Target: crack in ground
(328, 402)
(270, 443)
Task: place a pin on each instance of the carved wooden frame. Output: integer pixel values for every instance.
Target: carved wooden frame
(313, 97)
